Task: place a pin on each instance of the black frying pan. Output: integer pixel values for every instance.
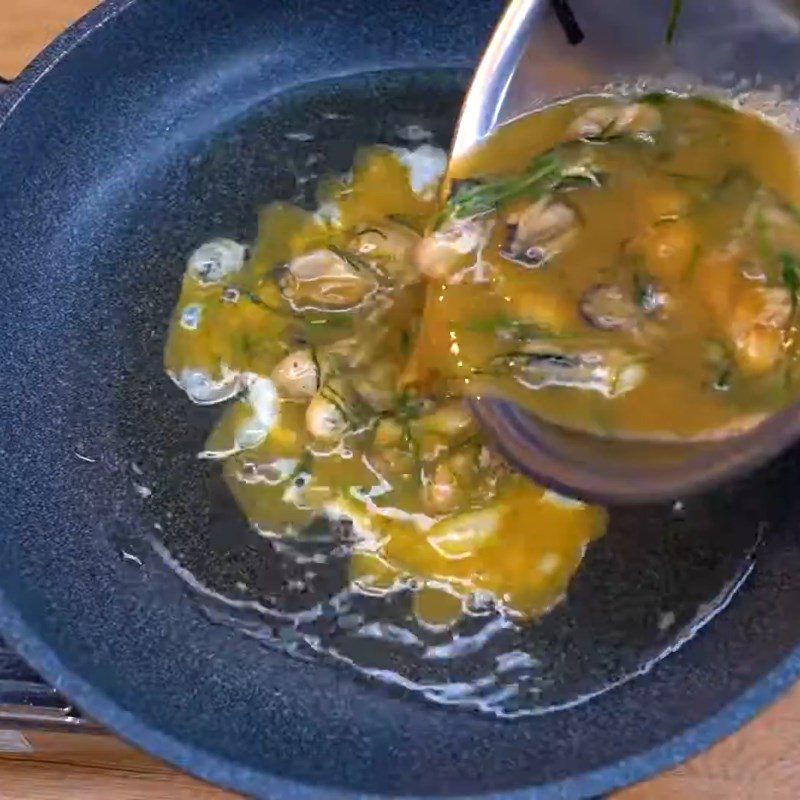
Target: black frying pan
(146, 129)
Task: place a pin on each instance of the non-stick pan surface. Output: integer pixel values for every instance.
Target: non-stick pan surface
(154, 125)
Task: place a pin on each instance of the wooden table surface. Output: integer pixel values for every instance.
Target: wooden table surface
(761, 762)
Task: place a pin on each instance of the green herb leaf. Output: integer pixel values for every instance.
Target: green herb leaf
(407, 406)
(474, 199)
(790, 274)
(336, 398)
(405, 342)
(674, 14)
(503, 325)
(656, 98)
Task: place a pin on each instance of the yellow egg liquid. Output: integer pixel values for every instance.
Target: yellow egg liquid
(690, 220)
(431, 508)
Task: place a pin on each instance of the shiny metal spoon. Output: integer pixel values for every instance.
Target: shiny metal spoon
(730, 45)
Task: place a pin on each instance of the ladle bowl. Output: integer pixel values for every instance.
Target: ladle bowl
(542, 52)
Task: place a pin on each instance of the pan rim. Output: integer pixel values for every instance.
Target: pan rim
(260, 783)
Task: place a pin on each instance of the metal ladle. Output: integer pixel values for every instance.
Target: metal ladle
(731, 47)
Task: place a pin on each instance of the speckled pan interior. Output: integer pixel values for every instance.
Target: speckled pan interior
(148, 128)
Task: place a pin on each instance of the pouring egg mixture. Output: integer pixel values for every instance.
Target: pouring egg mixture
(625, 268)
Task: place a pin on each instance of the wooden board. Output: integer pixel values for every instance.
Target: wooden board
(760, 762)
(26, 26)
(69, 766)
